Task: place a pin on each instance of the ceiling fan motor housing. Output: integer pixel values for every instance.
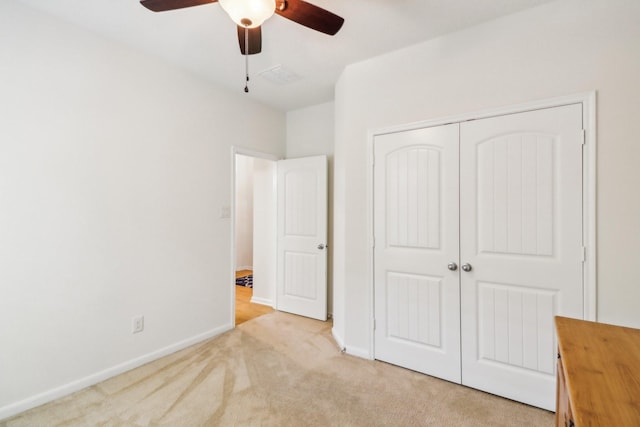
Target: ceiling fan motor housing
(249, 13)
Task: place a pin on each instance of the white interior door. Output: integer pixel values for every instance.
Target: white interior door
(302, 237)
(521, 233)
(417, 299)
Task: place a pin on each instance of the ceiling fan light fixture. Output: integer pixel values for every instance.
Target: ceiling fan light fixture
(249, 13)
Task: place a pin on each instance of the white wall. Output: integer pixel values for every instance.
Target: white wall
(310, 132)
(113, 170)
(244, 213)
(264, 231)
(564, 47)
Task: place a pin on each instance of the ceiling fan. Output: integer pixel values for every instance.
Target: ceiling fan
(250, 14)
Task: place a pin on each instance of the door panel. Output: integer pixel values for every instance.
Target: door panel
(416, 236)
(515, 194)
(521, 228)
(302, 227)
(413, 308)
(501, 307)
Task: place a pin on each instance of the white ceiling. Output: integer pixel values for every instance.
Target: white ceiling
(203, 38)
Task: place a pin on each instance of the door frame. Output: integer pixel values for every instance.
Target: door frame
(588, 101)
(237, 150)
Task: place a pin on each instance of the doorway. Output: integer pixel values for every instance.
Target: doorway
(253, 230)
(279, 216)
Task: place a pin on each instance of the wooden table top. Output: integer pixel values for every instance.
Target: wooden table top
(602, 371)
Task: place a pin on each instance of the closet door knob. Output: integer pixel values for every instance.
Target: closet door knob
(452, 266)
(321, 246)
(466, 267)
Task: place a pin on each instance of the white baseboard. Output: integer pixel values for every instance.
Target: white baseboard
(262, 301)
(338, 339)
(353, 351)
(66, 389)
(359, 352)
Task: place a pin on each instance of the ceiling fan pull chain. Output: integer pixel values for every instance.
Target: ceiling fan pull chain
(246, 58)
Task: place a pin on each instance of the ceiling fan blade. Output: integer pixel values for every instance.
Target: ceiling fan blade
(255, 40)
(310, 16)
(162, 5)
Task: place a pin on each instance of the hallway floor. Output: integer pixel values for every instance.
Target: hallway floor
(245, 309)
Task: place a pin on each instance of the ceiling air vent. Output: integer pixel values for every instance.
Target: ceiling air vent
(280, 75)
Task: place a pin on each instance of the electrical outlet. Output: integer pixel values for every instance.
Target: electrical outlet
(138, 324)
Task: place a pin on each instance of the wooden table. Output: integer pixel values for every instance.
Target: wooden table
(598, 374)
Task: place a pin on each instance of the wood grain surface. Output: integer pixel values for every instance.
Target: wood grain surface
(602, 372)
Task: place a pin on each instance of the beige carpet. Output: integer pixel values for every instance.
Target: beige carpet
(277, 370)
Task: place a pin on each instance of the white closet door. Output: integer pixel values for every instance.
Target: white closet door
(417, 300)
(521, 228)
(302, 237)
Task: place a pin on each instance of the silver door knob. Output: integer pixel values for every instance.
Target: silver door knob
(452, 266)
(466, 267)
(321, 246)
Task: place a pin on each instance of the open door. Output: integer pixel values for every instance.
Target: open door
(302, 237)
